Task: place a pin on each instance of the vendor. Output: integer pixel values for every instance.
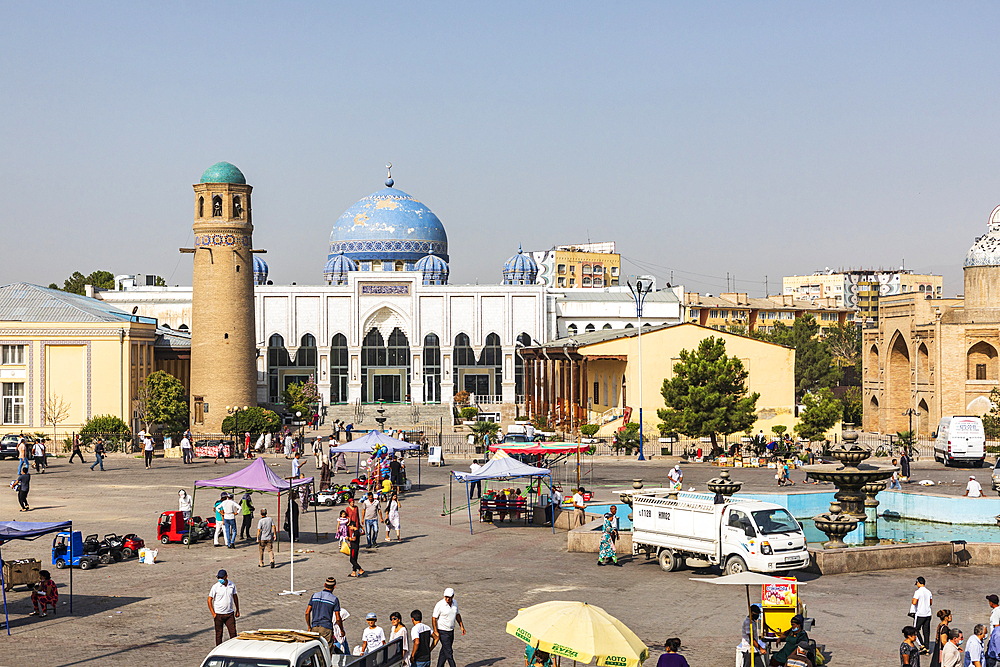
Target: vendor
(534, 657)
(792, 636)
(751, 649)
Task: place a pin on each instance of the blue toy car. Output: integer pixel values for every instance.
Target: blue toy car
(67, 550)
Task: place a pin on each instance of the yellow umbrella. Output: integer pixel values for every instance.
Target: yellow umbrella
(579, 631)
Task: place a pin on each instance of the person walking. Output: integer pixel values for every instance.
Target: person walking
(230, 510)
(98, 455)
(994, 603)
(392, 517)
(578, 509)
(296, 466)
(420, 634)
(372, 517)
(220, 526)
(940, 637)
(349, 432)
(952, 656)
(671, 657)
(921, 610)
(246, 511)
(147, 450)
(894, 480)
(476, 489)
(443, 621)
(608, 537)
(267, 532)
(224, 605)
(909, 654)
(76, 450)
(317, 448)
(184, 505)
(186, 449)
(23, 485)
(354, 545)
(398, 631)
(22, 453)
(38, 453)
(993, 648)
(220, 453)
(904, 465)
(974, 656)
(323, 611)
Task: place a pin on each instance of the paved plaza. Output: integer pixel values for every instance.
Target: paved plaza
(155, 615)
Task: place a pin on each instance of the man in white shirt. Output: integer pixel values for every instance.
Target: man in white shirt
(147, 450)
(373, 637)
(974, 647)
(372, 512)
(922, 601)
(477, 487)
(676, 477)
(186, 450)
(994, 602)
(38, 451)
(230, 508)
(224, 605)
(578, 509)
(443, 621)
(973, 489)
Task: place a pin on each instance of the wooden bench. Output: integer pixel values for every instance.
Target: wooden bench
(518, 509)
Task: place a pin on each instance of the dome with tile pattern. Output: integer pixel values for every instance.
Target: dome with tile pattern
(337, 267)
(223, 172)
(259, 270)
(520, 269)
(434, 270)
(986, 250)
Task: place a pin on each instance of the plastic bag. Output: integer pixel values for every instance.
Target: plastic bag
(345, 548)
(147, 556)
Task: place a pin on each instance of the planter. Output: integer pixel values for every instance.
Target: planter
(480, 449)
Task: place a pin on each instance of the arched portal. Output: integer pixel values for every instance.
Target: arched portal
(899, 384)
(923, 364)
(871, 415)
(385, 369)
(982, 362)
(923, 425)
(871, 363)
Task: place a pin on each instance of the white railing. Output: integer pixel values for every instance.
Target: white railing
(475, 399)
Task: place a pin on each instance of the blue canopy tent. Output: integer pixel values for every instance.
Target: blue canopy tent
(372, 441)
(501, 466)
(29, 530)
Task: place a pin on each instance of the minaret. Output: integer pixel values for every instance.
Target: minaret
(223, 346)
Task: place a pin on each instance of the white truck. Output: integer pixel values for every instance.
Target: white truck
(294, 648)
(960, 439)
(737, 535)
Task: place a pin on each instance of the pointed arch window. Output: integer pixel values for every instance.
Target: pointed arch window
(216, 206)
(201, 207)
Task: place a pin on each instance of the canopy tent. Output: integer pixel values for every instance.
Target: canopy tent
(372, 441)
(501, 466)
(257, 477)
(29, 530)
(540, 448)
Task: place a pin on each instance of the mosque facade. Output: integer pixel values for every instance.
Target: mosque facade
(385, 325)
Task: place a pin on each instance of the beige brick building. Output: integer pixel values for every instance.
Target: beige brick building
(933, 355)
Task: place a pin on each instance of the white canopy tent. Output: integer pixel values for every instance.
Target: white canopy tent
(501, 466)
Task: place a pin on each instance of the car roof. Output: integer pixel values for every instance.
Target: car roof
(259, 648)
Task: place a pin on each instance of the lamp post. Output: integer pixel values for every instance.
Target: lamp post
(639, 292)
(235, 410)
(909, 412)
(298, 418)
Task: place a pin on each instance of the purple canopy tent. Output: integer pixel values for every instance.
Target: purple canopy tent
(29, 530)
(256, 477)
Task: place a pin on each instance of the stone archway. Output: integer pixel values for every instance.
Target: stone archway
(923, 425)
(981, 361)
(871, 364)
(871, 414)
(898, 390)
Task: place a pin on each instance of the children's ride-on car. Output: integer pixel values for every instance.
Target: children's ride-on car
(107, 550)
(67, 551)
(173, 528)
(131, 544)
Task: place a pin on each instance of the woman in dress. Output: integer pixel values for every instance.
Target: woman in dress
(940, 637)
(392, 517)
(399, 630)
(608, 538)
(354, 541)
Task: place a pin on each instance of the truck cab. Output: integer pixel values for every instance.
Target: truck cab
(295, 648)
(67, 551)
(766, 539)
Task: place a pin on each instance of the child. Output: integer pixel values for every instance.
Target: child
(373, 637)
(45, 592)
(342, 527)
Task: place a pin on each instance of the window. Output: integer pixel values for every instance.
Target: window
(586, 281)
(980, 372)
(399, 266)
(571, 330)
(562, 282)
(598, 269)
(572, 269)
(13, 402)
(432, 369)
(216, 206)
(585, 269)
(597, 392)
(201, 207)
(572, 282)
(607, 326)
(338, 369)
(562, 268)
(13, 355)
(590, 328)
(598, 282)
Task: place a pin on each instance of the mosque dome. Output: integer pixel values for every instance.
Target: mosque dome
(223, 172)
(434, 270)
(520, 269)
(388, 226)
(337, 267)
(259, 270)
(986, 250)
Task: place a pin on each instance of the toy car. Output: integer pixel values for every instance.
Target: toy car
(67, 550)
(131, 544)
(172, 528)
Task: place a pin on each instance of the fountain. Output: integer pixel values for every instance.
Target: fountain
(722, 484)
(381, 419)
(871, 490)
(851, 479)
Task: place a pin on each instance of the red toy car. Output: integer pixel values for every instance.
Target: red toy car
(131, 544)
(171, 528)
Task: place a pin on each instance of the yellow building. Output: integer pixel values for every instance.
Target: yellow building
(57, 347)
(861, 289)
(584, 265)
(594, 377)
(735, 311)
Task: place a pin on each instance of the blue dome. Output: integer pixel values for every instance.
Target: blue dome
(388, 225)
(520, 269)
(259, 271)
(434, 270)
(223, 172)
(337, 267)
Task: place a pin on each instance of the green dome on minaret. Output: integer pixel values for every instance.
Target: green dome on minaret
(223, 172)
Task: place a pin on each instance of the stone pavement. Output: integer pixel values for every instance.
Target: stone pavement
(151, 615)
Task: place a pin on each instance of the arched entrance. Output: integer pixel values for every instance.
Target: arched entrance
(982, 362)
(899, 384)
(871, 415)
(924, 426)
(871, 364)
(385, 369)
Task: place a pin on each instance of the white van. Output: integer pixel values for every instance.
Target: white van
(960, 439)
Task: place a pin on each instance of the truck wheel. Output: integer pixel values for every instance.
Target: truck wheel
(667, 560)
(736, 565)
(186, 540)
(85, 564)
(60, 564)
(165, 540)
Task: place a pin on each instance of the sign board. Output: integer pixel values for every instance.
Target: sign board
(434, 455)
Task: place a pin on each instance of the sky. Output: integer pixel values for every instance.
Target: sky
(707, 139)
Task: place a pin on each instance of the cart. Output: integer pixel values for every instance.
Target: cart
(20, 572)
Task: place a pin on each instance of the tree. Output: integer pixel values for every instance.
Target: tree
(111, 428)
(75, 283)
(779, 430)
(301, 397)
(814, 366)
(991, 420)
(161, 400)
(482, 429)
(254, 421)
(853, 405)
(822, 411)
(844, 343)
(627, 439)
(56, 412)
(708, 394)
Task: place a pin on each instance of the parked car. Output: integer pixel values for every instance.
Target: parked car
(67, 551)
(8, 446)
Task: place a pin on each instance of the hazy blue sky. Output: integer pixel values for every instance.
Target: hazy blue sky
(759, 139)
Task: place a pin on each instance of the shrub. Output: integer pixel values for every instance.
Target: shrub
(469, 413)
(111, 428)
(461, 398)
(590, 430)
(255, 421)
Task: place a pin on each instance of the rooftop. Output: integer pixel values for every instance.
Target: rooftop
(24, 302)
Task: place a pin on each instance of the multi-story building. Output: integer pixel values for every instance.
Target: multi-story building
(860, 289)
(733, 311)
(584, 265)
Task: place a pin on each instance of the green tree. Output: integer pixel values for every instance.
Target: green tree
(991, 420)
(814, 365)
(822, 411)
(708, 394)
(161, 400)
(75, 283)
(853, 405)
(779, 430)
(301, 397)
(254, 421)
(112, 429)
(627, 439)
(844, 343)
(481, 429)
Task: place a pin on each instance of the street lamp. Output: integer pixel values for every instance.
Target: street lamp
(235, 410)
(639, 292)
(909, 412)
(298, 418)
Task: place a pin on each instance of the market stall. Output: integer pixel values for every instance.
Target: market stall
(500, 467)
(29, 530)
(377, 441)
